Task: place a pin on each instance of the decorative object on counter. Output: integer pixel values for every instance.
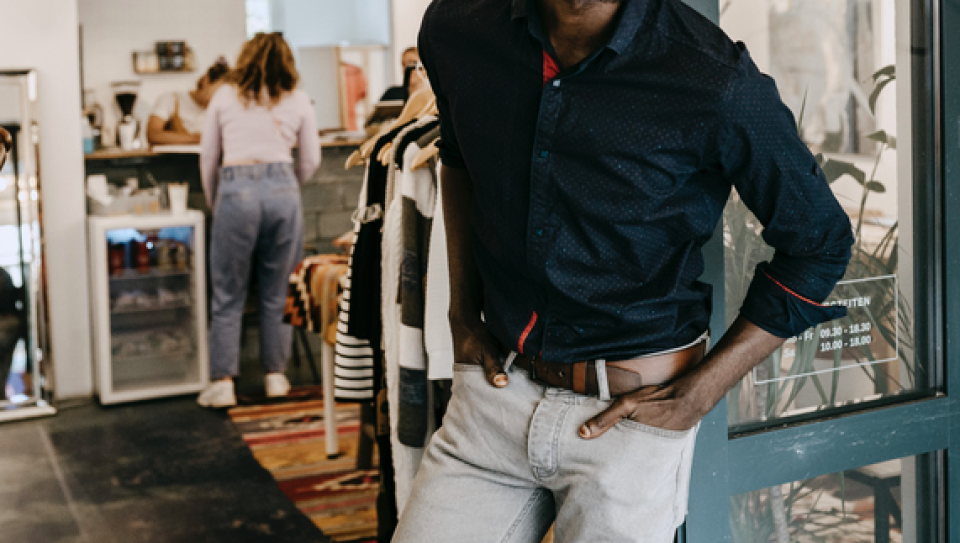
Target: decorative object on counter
(177, 197)
(167, 57)
(104, 199)
(125, 93)
(94, 114)
(86, 132)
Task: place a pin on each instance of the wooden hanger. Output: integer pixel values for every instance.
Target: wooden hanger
(384, 156)
(429, 108)
(355, 159)
(418, 104)
(361, 155)
(423, 157)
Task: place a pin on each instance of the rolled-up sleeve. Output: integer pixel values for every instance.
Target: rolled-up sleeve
(448, 145)
(779, 180)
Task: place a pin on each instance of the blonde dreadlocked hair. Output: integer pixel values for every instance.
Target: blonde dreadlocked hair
(264, 69)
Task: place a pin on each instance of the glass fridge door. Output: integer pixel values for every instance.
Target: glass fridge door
(153, 328)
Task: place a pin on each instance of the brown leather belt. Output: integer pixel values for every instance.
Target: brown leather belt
(623, 376)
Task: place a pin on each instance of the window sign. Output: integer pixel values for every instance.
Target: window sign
(837, 65)
(867, 337)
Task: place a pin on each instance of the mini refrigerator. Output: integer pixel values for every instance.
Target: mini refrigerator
(149, 305)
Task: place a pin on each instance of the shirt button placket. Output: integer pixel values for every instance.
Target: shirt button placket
(539, 205)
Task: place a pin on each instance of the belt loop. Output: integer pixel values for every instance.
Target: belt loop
(508, 363)
(603, 387)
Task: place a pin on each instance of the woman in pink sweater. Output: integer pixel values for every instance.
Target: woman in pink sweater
(253, 122)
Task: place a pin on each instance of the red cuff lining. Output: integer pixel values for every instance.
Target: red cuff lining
(794, 294)
(526, 332)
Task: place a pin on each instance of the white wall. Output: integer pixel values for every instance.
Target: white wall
(114, 29)
(372, 21)
(42, 34)
(407, 15)
(314, 23)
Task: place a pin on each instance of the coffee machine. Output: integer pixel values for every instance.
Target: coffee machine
(128, 130)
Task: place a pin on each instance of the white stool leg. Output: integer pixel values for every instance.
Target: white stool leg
(329, 409)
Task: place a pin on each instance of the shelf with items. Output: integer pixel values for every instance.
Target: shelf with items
(132, 253)
(137, 373)
(150, 309)
(167, 57)
(154, 273)
(143, 300)
(170, 341)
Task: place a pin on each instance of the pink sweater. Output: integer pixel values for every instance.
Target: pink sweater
(257, 133)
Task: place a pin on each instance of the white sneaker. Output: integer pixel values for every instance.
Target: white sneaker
(276, 385)
(218, 394)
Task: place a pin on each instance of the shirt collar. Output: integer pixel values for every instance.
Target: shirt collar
(630, 21)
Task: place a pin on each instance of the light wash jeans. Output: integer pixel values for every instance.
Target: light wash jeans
(508, 462)
(257, 212)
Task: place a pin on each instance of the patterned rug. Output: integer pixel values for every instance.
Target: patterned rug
(288, 440)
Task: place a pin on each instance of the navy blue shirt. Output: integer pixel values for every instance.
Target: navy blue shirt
(595, 191)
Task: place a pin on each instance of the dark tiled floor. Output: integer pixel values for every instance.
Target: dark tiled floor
(163, 471)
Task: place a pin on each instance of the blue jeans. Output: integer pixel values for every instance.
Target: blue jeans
(508, 462)
(257, 212)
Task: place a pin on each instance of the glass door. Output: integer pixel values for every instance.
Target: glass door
(843, 433)
(153, 332)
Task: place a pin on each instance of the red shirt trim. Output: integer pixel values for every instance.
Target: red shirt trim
(526, 332)
(550, 68)
(779, 284)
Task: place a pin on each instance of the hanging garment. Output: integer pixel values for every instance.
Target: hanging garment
(399, 346)
(359, 328)
(419, 194)
(438, 338)
(354, 377)
(312, 295)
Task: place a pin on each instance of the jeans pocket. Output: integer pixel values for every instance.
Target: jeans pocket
(633, 425)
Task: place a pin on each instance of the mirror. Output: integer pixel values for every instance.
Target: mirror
(345, 101)
(22, 321)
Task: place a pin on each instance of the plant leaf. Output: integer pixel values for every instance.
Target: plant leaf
(876, 186)
(881, 136)
(835, 169)
(803, 108)
(875, 95)
(889, 71)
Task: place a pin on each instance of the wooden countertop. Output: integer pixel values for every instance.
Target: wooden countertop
(342, 143)
(115, 152)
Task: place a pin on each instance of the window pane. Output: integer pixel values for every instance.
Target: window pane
(837, 64)
(882, 502)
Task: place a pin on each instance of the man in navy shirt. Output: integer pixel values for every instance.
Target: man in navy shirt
(588, 149)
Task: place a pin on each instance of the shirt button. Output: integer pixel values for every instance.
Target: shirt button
(544, 154)
(539, 231)
(556, 83)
